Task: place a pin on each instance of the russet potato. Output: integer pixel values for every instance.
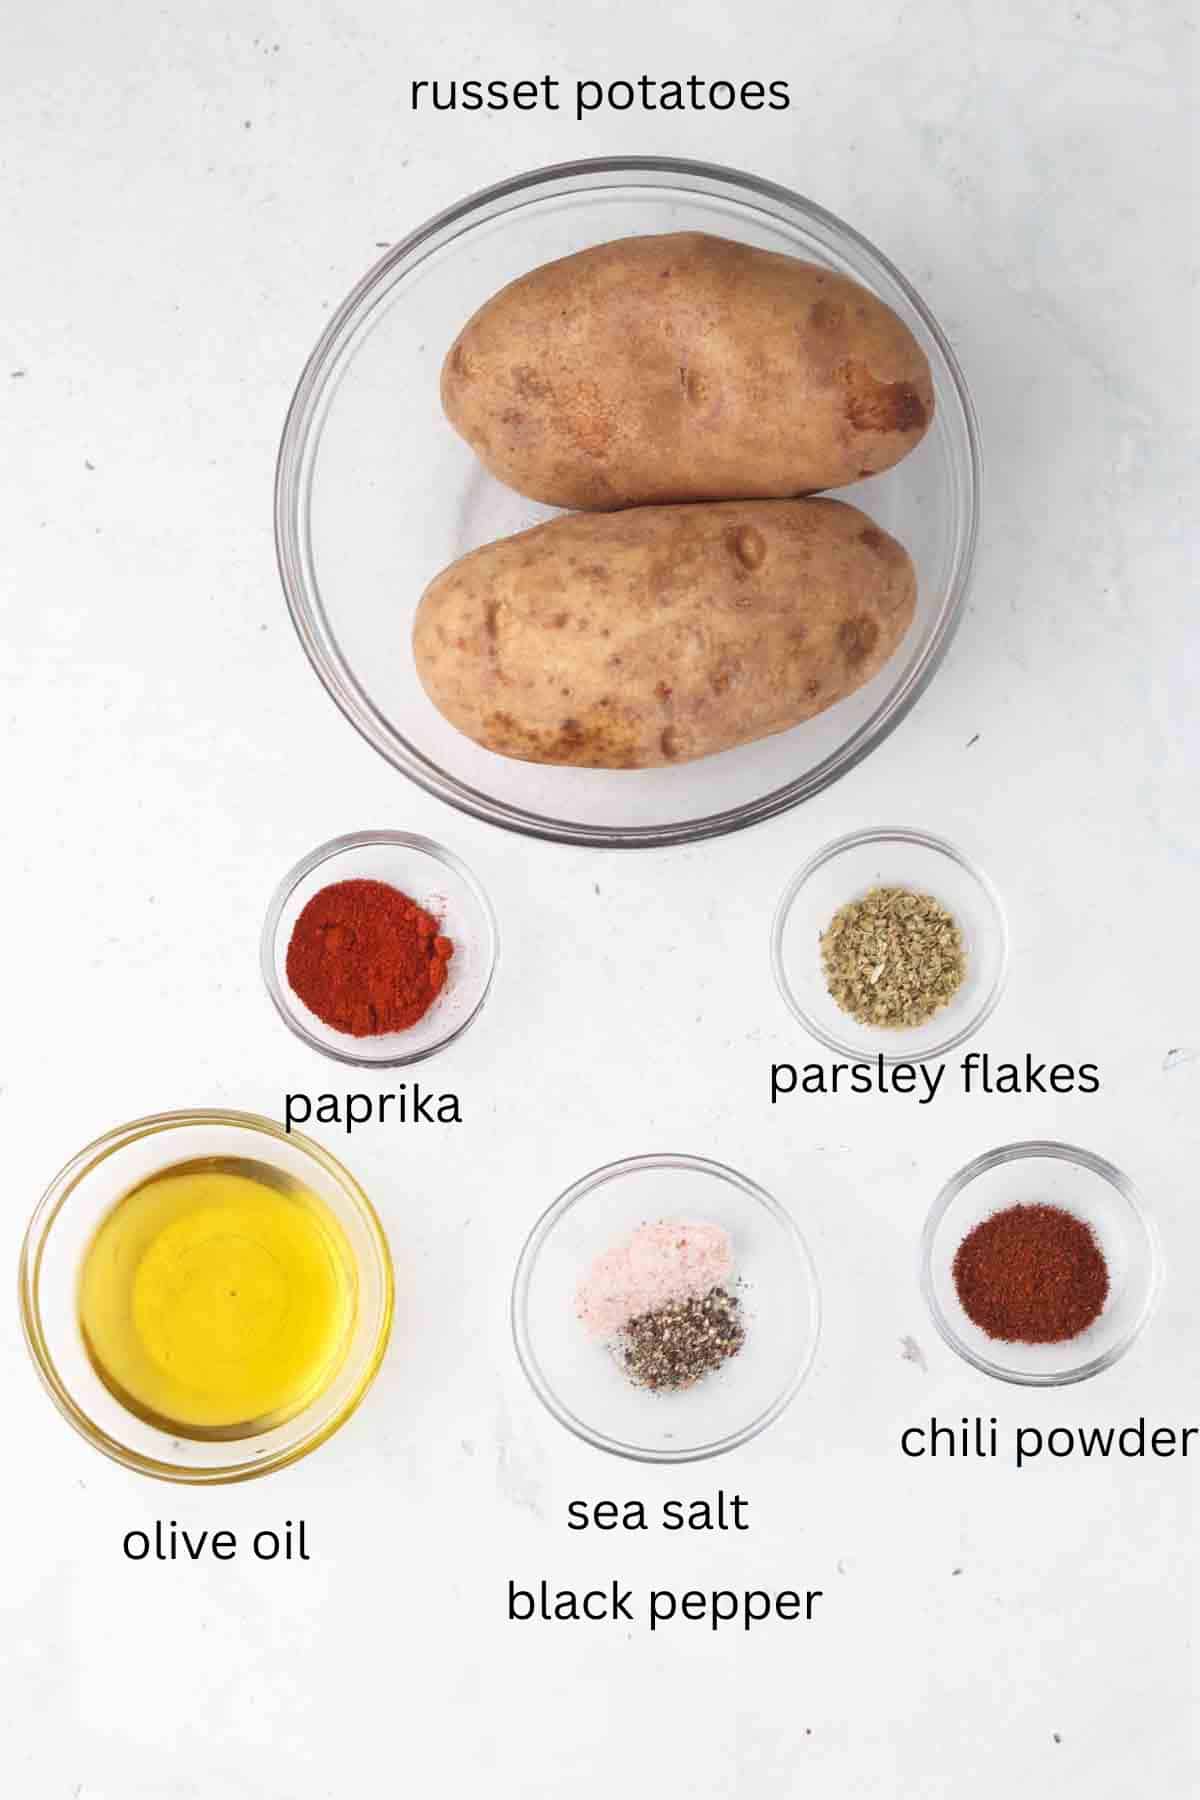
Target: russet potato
(637, 639)
(684, 367)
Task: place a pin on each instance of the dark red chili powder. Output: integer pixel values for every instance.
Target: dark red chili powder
(367, 959)
(1032, 1274)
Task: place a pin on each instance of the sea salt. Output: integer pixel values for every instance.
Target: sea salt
(675, 1259)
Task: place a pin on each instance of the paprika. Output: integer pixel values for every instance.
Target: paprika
(1032, 1274)
(366, 959)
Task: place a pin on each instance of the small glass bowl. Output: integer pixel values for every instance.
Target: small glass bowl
(1080, 1183)
(62, 1228)
(433, 877)
(578, 1379)
(847, 870)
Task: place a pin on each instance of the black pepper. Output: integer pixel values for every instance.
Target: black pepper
(673, 1346)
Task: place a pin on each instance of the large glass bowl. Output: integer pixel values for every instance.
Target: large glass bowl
(80, 1198)
(375, 494)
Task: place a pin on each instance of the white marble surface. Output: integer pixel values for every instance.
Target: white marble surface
(185, 194)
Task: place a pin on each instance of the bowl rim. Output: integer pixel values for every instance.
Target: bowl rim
(527, 1262)
(51, 1204)
(1029, 1150)
(925, 840)
(338, 846)
(293, 547)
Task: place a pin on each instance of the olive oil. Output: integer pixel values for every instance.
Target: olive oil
(218, 1298)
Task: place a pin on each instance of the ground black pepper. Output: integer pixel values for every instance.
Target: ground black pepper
(673, 1346)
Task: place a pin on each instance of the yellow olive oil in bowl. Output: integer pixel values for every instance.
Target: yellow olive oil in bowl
(217, 1299)
(205, 1295)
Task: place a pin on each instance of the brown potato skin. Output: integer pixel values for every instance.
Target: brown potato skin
(686, 367)
(640, 639)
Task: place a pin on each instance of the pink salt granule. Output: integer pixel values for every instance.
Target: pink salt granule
(675, 1259)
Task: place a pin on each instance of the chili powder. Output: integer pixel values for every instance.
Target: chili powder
(1032, 1274)
(366, 959)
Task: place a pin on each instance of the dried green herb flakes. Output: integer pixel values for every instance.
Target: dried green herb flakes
(893, 958)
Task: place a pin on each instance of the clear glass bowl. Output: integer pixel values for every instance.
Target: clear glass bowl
(848, 869)
(432, 876)
(62, 1228)
(375, 494)
(578, 1379)
(1080, 1183)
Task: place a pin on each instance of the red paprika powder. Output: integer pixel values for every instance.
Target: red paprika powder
(367, 959)
(1032, 1274)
